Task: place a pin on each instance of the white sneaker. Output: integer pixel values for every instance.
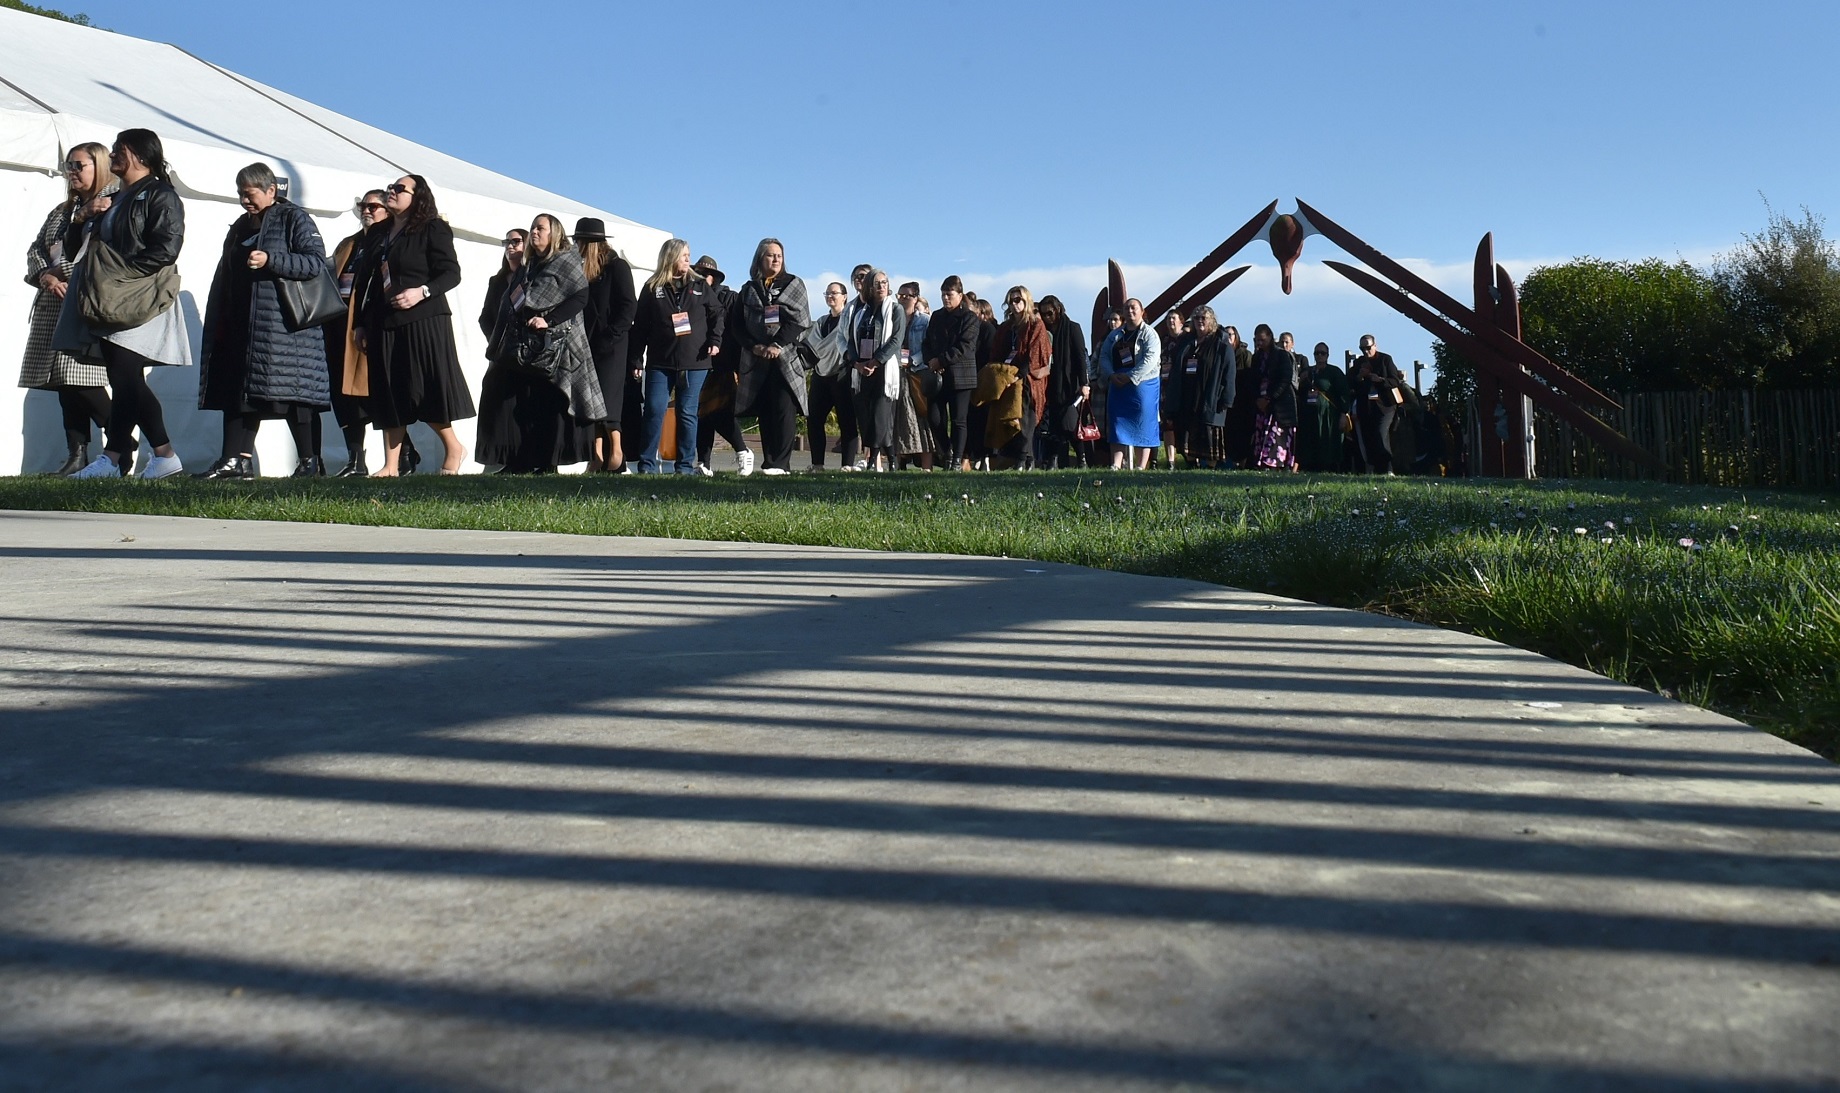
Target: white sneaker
(100, 467)
(774, 470)
(861, 465)
(745, 457)
(162, 466)
(703, 469)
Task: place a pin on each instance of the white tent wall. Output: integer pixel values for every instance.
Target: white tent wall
(212, 123)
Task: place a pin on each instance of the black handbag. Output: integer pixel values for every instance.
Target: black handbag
(313, 302)
(536, 352)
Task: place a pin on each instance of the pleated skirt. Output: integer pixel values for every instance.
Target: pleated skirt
(415, 376)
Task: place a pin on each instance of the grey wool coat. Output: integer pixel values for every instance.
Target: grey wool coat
(45, 367)
(281, 365)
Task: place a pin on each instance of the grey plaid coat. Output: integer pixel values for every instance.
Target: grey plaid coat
(45, 367)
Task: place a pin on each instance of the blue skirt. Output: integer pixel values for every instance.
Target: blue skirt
(1131, 413)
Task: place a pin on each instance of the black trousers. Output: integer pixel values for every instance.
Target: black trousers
(948, 415)
(132, 404)
(828, 394)
(1375, 421)
(80, 407)
(720, 423)
(240, 432)
(875, 415)
(778, 410)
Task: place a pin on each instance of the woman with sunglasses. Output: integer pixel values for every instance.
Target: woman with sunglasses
(144, 225)
(81, 394)
(1022, 343)
(408, 326)
(345, 364)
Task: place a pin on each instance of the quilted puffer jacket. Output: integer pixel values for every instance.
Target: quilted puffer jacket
(283, 365)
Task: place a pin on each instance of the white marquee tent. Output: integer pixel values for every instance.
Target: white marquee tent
(62, 85)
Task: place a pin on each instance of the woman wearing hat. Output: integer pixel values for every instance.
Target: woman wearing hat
(716, 413)
(612, 304)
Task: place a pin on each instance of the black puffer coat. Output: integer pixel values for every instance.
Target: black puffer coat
(279, 365)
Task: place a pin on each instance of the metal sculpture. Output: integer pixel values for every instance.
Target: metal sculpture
(1488, 334)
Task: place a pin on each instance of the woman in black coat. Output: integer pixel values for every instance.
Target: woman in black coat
(409, 327)
(527, 423)
(1204, 374)
(677, 330)
(253, 366)
(1059, 428)
(143, 223)
(612, 303)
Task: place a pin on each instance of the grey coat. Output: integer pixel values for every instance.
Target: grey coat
(281, 365)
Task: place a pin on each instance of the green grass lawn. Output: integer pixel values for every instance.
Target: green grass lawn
(1720, 598)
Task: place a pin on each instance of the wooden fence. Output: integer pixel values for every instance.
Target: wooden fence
(1719, 438)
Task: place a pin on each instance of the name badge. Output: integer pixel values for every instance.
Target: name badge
(772, 315)
(1312, 400)
(1125, 360)
(1193, 366)
(345, 283)
(865, 349)
(907, 356)
(1011, 359)
(517, 297)
(680, 322)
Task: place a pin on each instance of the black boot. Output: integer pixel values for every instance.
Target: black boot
(310, 467)
(357, 467)
(79, 459)
(407, 459)
(235, 468)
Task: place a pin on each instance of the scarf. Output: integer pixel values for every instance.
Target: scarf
(547, 283)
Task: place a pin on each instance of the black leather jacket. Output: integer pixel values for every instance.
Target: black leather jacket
(146, 223)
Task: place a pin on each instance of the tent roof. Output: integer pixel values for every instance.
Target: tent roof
(214, 121)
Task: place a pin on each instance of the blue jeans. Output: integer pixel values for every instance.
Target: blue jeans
(659, 387)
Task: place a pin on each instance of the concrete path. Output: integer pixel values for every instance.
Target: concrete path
(304, 807)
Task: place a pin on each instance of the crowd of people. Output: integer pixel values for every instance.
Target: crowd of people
(586, 366)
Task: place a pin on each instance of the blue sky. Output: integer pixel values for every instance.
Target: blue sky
(1022, 142)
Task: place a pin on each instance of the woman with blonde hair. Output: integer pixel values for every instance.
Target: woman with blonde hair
(541, 399)
(81, 388)
(676, 331)
(1022, 343)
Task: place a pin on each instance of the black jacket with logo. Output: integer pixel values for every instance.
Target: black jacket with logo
(655, 341)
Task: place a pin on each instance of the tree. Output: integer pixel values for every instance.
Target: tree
(1619, 326)
(1783, 290)
(20, 5)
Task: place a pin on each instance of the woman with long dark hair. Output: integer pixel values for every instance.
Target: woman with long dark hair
(409, 329)
(1274, 424)
(143, 225)
(1067, 389)
(346, 369)
(541, 399)
(612, 303)
(770, 316)
(82, 395)
(253, 366)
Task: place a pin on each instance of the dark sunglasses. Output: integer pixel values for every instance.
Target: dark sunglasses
(399, 188)
(72, 167)
(370, 206)
(515, 241)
